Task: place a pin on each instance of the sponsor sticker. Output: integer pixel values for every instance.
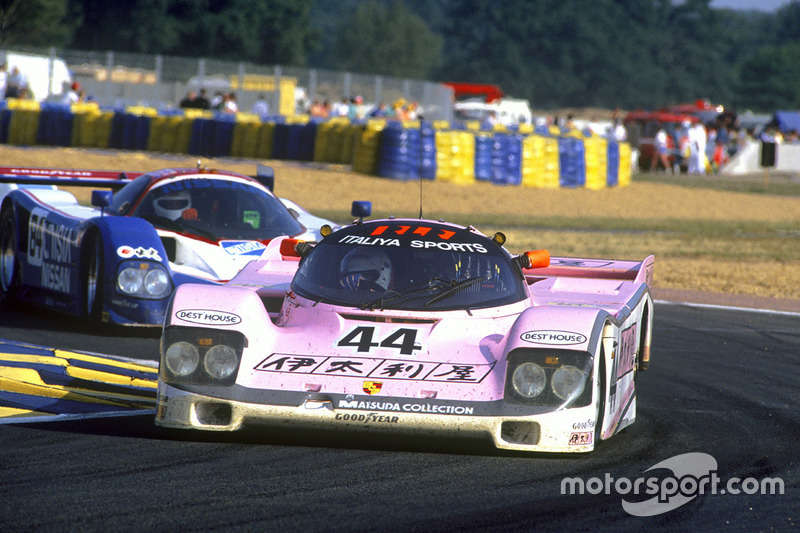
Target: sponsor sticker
(372, 387)
(581, 438)
(129, 252)
(553, 337)
(254, 248)
(375, 418)
(374, 368)
(208, 317)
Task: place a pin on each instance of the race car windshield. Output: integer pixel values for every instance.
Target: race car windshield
(473, 276)
(217, 209)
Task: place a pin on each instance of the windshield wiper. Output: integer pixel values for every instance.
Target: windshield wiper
(454, 288)
(414, 290)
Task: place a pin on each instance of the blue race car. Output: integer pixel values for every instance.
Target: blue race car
(119, 261)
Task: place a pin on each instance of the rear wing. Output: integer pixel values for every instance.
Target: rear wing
(67, 177)
(637, 271)
(111, 179)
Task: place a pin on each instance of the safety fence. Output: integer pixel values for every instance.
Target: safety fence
(545, 157)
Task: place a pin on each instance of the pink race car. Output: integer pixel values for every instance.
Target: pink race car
(410, 325)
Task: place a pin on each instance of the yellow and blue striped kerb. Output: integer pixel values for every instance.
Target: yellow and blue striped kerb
(38, 382)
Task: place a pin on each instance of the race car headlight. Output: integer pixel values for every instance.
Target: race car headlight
(568, 382)
(156, 282)
(529, 380)
(200, 355)
(181, 358)
(221, 361)
(143, 279)
(130, 281)
(549, 377)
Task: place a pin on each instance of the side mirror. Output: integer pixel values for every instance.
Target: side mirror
(102, 199)
(361, 209)
(266, 175)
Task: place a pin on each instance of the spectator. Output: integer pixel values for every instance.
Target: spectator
(620, 134)
(697, 148)
(3, 79)
(719, 156)
(319, 110)
(229, 105)
(341, 109)
(379, 111)
(188, 101)
(261, 107)
(14, 83)
(661, 154)
(218, 101)
(73, 96)
(201, 102)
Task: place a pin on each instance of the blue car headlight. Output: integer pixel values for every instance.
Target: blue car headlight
(143, 279)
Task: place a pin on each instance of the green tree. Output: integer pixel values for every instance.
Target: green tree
(770, 79)
(264, 31)
(37, 22)
(391, 41)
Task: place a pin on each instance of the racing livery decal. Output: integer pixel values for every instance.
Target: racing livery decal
(372, 387)
(208, 317)
(253, 248)
(361, 338)
(375, 368)
(367, 418)
(406, 407)
(50, 248)
(129, 252)
(553, 337)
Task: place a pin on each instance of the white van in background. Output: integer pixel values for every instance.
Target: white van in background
(46, 76)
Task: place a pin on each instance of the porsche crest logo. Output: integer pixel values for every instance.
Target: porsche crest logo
(372, 387)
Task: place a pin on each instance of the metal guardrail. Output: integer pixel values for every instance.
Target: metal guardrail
(124, 79)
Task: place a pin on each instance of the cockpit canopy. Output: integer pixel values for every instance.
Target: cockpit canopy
(409, 265)
(216, 207)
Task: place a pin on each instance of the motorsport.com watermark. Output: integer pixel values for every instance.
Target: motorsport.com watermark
(693, 474)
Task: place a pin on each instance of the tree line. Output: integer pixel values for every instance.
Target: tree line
(556, 53)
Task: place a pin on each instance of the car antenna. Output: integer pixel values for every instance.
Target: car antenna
(420, 197)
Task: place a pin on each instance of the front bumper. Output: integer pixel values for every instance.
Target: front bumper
(566, 431)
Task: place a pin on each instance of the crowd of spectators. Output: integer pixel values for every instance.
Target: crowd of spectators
(699, 148)
(355, 109)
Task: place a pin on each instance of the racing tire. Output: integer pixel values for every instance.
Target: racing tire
(93, 287)
(9, 265)
(601, 398)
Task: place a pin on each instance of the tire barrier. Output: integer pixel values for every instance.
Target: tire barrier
(366, 147)
(455, 156)
(596, 158)
(506, 159)
(483, 156)
(400, 152)
(543, 157)
(571, 162)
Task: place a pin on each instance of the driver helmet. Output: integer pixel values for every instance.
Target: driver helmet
(172, 205)
(365, 263)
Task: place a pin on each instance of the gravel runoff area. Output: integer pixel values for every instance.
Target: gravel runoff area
(304, 182)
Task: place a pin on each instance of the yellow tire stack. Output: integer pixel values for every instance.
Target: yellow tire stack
(455, 156)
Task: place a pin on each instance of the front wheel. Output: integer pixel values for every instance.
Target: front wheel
(9, 265)
(600, 390)
(93, 289)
